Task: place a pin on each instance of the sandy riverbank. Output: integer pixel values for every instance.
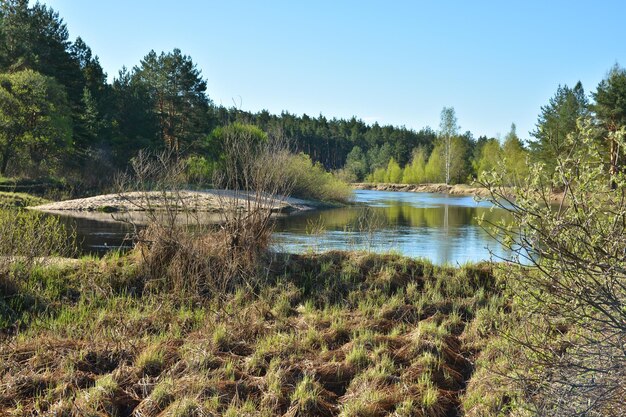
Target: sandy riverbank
(457, 189)
(209, 201)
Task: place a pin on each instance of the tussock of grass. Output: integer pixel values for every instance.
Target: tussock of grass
(358, 357)
(185, 407)
(310, 399)
(151, 360)
(332, 334)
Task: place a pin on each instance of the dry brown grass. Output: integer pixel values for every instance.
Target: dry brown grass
(319, 341)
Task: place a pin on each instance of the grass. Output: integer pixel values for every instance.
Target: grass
(151, 360)
(351, 334)
(19, 200)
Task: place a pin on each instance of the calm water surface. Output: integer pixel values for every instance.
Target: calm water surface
(439, 227)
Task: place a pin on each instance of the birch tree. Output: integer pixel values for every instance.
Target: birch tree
(448, 128)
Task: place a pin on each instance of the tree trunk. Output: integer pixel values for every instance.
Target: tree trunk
(5, 162)
(448, 149)
(614, 162)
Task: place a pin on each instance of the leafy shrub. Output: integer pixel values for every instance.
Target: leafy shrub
(378, 175)
(199, 170)
(30, 236)
(12, 200)
(311, 180)
(394, 172)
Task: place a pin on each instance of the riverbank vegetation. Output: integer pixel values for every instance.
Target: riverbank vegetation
(204, 319)
(573, 302)
(13, 200)
(320, 334)
(209, 321)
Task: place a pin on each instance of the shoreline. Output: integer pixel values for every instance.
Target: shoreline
(440, 188)
(206, 201)
(458, 189)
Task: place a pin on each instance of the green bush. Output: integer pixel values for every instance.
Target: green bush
(199, 170)
(310, 180)
(394, 172)
(30, 235)
(378, 175)
(415, 172)
(13, 200)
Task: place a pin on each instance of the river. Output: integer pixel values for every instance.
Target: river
(439, 227)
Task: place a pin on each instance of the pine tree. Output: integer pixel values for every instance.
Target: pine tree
(177, 94)
(557, 120)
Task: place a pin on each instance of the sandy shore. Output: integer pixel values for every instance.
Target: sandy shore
(209, 201)
(459, 189)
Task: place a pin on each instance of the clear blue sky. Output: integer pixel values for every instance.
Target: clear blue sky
(393, 62)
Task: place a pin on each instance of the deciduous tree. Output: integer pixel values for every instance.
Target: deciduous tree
(34, 118)
(448, 128)
(515, 157)
(568, 277)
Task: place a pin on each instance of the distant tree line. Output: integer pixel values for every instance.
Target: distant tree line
(458, 158)
(60, 117)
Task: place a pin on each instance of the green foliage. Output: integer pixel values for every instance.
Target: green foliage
(356, 164)
(557, 120)
(610, 109)
(377, 176)
(31, 235)
(420, 171)
(394, 172)
(243, 132)
(568, 268)
(135, 126)
(379, 156)
(610, 97)
(515, 158)
(460, 165)
(34, 122)
(415, 172)
(311, 181)
(199, 170)
(35, 37)
(238, 146)
(177, 93)
(19, 200)
(435, 170)
(490, 157)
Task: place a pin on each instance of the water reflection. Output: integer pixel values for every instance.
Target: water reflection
(439, 227)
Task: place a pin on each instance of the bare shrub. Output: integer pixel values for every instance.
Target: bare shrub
(254, 186)
(180, 250)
